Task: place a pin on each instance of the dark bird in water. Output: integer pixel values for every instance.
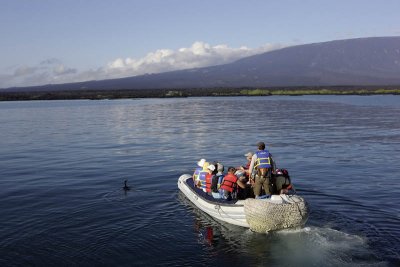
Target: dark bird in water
(126, 187)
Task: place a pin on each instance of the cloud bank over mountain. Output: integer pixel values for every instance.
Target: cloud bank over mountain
(199, 54)
(373, 61)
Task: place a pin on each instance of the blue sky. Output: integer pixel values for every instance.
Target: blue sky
(56, 41)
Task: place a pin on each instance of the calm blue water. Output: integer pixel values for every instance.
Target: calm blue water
(63, 163)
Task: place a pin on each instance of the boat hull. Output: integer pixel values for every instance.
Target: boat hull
(230, 212)
(260, 215)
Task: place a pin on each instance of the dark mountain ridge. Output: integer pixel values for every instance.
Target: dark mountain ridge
(353, 62)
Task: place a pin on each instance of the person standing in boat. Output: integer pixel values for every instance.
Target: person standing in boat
(229, 185)
(260, 170)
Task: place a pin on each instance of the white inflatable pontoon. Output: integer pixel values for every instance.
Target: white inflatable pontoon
(260, 215)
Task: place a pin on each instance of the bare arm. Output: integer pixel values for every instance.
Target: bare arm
(241, 184)
(253, 160)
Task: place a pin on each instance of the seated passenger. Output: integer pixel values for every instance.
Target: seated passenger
(210, 176)
(200, 179)
(282, 182)
(229, 185)
(195, 176)
(216, 182)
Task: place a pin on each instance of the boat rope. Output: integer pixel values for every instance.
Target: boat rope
(218, 208)
(297, 205)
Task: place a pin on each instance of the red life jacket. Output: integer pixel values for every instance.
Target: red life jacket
(209, 178)
(229, 182)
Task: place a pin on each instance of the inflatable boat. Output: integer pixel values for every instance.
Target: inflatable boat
(260, 215)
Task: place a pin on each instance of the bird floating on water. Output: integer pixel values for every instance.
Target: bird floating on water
(126, 187)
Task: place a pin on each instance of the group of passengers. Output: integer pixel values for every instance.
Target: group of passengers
(259, 178)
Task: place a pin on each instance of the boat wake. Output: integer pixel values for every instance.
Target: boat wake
(307, 246)
(324, 247)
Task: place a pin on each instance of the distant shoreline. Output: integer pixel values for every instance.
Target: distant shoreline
(196, 92)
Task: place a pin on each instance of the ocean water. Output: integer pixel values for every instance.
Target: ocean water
(63, 165)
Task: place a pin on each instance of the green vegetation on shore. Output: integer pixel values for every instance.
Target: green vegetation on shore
(191, 92)
(260, 92)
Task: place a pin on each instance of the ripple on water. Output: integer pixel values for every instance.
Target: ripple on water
(63, 164)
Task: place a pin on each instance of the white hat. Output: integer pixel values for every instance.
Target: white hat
(211, 167)
(201, 162)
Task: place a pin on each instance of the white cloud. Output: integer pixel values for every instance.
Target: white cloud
(62, 70)
(199, 54)
(47, 71)
(24, 71)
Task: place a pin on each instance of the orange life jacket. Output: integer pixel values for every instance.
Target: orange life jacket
(229, 182)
